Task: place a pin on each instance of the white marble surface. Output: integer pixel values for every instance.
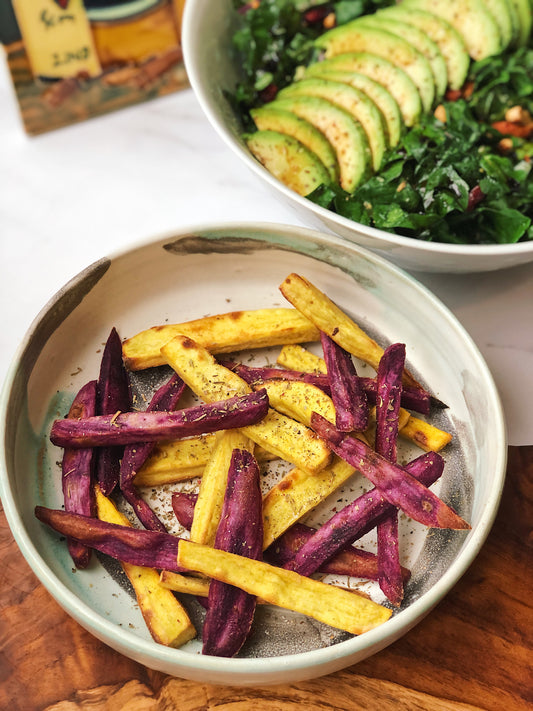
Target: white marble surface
(71, 196)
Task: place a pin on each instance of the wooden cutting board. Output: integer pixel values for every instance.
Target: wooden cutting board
(474, 651)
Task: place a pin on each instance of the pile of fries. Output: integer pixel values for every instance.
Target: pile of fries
(244, 546)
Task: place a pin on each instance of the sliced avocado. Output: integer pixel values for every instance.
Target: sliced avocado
(355, 102)
(423, 43)
(501, 12)
(515, 22)
(268, 118)
(524, 10)
(355, 36)
(383, 99)
(452, 45)
(391, 77)
(342, 131)
(288, 160)
(471, 19)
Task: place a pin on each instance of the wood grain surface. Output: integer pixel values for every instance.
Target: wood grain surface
(474, 651)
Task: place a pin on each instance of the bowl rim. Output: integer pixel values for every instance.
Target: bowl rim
(377, 638)
(388, 239)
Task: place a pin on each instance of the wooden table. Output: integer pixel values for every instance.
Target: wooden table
(474, 651)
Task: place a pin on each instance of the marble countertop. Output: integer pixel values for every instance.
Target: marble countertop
(73, 195)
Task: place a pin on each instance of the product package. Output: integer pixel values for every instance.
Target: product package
(73, 59)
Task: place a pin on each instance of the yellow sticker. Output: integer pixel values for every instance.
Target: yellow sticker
(57, 38)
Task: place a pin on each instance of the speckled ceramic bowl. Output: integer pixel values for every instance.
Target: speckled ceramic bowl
(207, 31)
(211, 270)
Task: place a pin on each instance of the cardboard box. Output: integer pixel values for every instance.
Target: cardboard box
(73, 59)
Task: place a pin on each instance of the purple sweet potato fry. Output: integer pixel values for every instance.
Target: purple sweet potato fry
(358, 518)
(151, 549)
(393, 482)
(230, 610)
(133, 427)
(183, 504)
(390, 577)
(349, 398)
(389, 389)
(77, 469)
(164, 399)
(349, 560)
(114, 396)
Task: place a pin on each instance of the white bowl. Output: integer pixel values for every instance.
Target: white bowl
(207, 30)
(211, 270)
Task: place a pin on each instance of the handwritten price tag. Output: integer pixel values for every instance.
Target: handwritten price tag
(57, 37)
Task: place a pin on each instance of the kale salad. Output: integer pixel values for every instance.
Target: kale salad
(460, 174)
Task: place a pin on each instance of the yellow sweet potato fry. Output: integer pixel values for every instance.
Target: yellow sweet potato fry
(425, 435)
(182, 459)
(176, 460)
(223, 333)
(280, 435)
(296, 357)
(334, 606)
(213, 485)
(165, 617)
(298, 400)
(328, 317)
(296, 494)
(184, 583)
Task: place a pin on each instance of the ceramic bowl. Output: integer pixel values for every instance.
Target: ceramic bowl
(215, 269)
(207, 31)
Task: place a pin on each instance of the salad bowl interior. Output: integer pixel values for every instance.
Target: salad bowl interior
(215, 269)
(214, 70)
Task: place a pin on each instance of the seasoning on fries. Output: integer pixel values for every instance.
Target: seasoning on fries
(242, 545)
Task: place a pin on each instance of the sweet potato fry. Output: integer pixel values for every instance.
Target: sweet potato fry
(284, 437)
(213, 485)
(351, 561)
(183, 503)
(151, 549)
(389, 389)
(298, 399)
(425, 435)
(334, 606)
(230, 610)
(165, 399)
(77, 467)
(163, 614)
(188, 584)
(113, 395)
(347, 393)
(223, 333)
(133, 427)
(370, 432)
(330, 319)
(298, 493)
(296, 357)
(357, 518)
(179, 460)
(394, 483)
